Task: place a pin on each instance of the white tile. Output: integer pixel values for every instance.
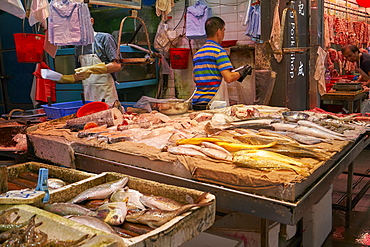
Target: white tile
(228, 9)
(229, 19)
(216, 11)
(231, 36)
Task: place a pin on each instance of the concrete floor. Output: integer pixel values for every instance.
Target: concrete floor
(358, 234)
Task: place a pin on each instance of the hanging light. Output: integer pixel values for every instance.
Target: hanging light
(363, 3)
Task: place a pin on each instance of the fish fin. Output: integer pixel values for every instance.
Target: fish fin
(202, 197)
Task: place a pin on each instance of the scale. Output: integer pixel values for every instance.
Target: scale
(347, 86)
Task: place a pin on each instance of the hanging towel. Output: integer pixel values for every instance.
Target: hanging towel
(13, 7)
(275, 39)
(196, 18)
(164, 7)
(319, 75)
(254, 22)
(39, 12)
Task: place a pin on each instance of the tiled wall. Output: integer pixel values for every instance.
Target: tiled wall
(231, 11)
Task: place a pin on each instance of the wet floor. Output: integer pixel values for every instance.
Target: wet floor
(358, 232)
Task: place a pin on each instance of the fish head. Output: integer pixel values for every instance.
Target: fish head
(113, 217)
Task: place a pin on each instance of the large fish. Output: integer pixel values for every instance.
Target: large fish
(160, 202)
(265, 164)
(113, 213)
(295, 150)
(317, 126)
(133, 196)
(262, 154)
(101, 191)
(92, 222)
(304, 130)
(68, 209)
(210, 151)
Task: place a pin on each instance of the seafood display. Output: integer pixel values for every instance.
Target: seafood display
(122, 210)
(223, 135)
(27, 233)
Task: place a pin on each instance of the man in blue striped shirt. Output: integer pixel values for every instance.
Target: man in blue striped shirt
(211, 64)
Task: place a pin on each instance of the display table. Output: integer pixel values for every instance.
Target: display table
(281, 211)
(352, 99)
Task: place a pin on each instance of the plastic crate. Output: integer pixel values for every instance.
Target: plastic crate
(59, 110)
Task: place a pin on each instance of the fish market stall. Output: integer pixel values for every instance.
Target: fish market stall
(181, 151)
(109, 209)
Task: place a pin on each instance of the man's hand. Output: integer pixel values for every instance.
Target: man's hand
(67, 79)
(99, 68)
(244, 71)
(365, 89)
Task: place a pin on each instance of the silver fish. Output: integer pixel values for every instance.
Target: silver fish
(101, 191)
(133, 196)
(113, 213)
(305, 131)
(185, 151)
(92, 222)
(160, 202)
(55, 183)
(317, 126)
(68, 209)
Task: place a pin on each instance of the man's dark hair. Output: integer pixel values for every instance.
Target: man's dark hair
(212, 25)
(350, 47)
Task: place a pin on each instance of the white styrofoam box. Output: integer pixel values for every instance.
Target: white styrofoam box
(247, 228)
(317, 222)
(207, 240)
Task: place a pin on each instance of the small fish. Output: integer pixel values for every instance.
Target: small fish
(133, 196)
(160, 202)
(92, 222)
(113, 213)
(55, 183)
(64, 209)
(101, 191)
(155, 218)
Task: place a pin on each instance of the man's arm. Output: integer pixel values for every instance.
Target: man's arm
(230, 76)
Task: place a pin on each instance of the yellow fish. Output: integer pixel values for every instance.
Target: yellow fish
(266, 164)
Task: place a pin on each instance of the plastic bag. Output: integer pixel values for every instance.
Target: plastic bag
(161, 41)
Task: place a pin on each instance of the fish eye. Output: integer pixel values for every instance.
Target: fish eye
(115, 217)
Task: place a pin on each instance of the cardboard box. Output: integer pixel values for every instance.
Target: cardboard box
(317, 222)
(248, 229)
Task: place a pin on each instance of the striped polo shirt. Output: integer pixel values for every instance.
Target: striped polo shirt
(208, 62)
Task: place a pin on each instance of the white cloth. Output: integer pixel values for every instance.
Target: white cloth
(14, 7)
(275, 39)
(320, 69)
(39, 12)
(50, 74)
(164, 7)
(98, 86)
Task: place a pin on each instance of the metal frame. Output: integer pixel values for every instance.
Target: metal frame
(230, 199)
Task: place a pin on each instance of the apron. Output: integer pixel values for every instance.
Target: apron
(98, 86)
